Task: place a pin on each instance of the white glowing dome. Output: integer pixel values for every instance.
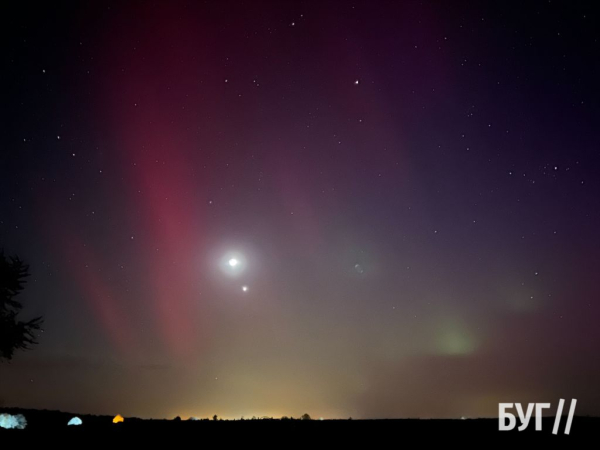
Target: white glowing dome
(75, 421)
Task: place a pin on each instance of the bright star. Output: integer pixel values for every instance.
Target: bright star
(233, 264)
(245, 288)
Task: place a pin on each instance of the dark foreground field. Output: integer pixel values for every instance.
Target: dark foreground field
(51, 426)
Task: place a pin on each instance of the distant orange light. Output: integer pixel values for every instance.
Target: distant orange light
(118, 419)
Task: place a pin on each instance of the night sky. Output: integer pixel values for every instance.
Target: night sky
(368, 209)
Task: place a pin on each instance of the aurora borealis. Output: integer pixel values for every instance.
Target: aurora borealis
(409, 191)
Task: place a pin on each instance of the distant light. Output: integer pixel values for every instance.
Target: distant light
(245, 288)
(233, 262)
(9, 421)
(118, 419)
(75, 421)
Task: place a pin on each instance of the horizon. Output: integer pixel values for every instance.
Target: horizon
(192, 418)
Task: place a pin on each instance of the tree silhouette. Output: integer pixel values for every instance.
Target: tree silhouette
(305, 417)
(14, 334)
